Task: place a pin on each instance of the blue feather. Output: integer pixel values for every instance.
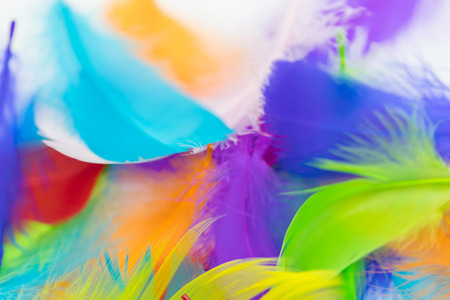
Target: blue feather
(9, 161)
(309, 111)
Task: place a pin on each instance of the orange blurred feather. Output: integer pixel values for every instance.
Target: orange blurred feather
(198, 67)
(162, 206)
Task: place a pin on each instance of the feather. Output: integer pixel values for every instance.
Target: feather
(221, 60)
(107, 279)
(248, 278)
(118, 107)
(422, 267)
(425, 282)
(175, 48)
(245, 195)
(404, 187)
(353, 279)
(309, 111)
(163, 199)
(28, 133)
(189, 270)
(368, 28)
(9, 161)
(380, 20)
(56, 187)
(44, 253)
(379, 283)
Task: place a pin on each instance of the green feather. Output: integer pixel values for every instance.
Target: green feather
(404, 185)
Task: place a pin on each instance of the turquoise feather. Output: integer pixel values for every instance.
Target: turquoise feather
(120, 107)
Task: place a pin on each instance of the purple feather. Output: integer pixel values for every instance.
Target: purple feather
(383, 19)
(10, 170)
(379, 21)
(246, 198)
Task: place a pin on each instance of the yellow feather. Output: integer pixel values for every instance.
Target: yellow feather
(244, 279)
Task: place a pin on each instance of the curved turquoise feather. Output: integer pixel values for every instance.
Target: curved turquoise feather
(120, 107)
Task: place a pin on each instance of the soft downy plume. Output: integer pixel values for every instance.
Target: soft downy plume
(245, 197)
(9, 161)
(403, 187)
(103, 105)
(44, 253)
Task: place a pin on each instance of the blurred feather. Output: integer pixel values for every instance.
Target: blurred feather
(44, 253)
(379, 20)
(365, 24)
(115, 105)
(422, 269)
(379, 283)
(353, 279)
(9, 161)
(177, 50)
(56, 187)
(162, 198)
(221, 59)
(309, 111)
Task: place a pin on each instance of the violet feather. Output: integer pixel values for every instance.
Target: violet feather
(382, 19)
(9, 163)
(246, 197)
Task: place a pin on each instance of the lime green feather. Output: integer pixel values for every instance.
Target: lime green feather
(404, 185)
